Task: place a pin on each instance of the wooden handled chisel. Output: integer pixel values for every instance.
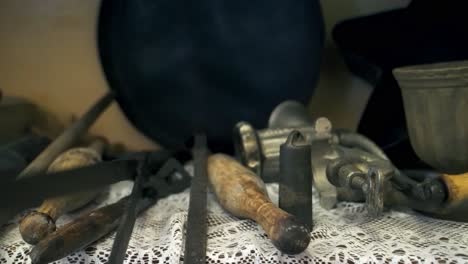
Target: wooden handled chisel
(41, 222)
(243, 194)
(78, 234)
(90, 227)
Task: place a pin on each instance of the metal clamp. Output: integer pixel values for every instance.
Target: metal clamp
(374, 190)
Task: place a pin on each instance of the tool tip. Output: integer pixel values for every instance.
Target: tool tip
(293, 236)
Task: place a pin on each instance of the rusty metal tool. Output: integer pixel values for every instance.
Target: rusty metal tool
(260, 151)
(295, 178)
(195, 241)
(127, 221)
(78, 234)
(66, 140)
(41, 222)
(31, 191)
(243, 194)
(88, 228)
(164, 183)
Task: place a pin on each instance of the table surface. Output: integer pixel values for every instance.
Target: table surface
(341, 235)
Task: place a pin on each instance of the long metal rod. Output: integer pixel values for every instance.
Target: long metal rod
(160, 187)
(69, 137)
(127, 222)
(195, 242)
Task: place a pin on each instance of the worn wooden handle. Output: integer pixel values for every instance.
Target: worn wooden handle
(457, 188)
(78, 233)
(243, 194)
(41, 222)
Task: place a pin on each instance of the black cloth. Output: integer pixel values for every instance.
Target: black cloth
(426, 31)
(181, 66)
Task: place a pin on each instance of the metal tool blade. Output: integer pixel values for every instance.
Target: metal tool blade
(17, 195)
(146, 191)
(67, 138)
(127, 222)
(195, 242)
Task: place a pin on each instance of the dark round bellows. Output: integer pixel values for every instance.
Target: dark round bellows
(183, 66)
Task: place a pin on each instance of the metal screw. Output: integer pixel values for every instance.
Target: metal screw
(359, 182)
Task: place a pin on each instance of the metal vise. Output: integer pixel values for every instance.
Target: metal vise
(345, 166)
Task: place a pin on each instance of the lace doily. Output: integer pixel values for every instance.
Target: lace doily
(341, 235)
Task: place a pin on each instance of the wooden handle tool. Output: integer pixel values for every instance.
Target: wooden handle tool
(41, 222)
(457, 187)
(68, 138)
(79, 233)
(456, 205)
(243, 194)
(447, 195)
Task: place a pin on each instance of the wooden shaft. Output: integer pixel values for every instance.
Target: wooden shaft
(39, 223)
(457, 187)
(243, 194)
(456, 206)
(78, 234)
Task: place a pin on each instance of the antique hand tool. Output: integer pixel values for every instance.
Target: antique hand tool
(155, 180)
(78, 234)
(295, 178)
(260, 150)
(46, 185)
(69, 137)
(15, 156)
(348, 166)
(40, 222)
(164, 183)
(195, 241)
(17, 195)
(243, 194)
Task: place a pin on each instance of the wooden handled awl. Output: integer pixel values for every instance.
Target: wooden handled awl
(39, 223)
(243, 194)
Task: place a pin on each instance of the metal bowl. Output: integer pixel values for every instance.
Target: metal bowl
(435, 98)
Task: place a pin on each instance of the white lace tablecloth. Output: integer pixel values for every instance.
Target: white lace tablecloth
(341, 235)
